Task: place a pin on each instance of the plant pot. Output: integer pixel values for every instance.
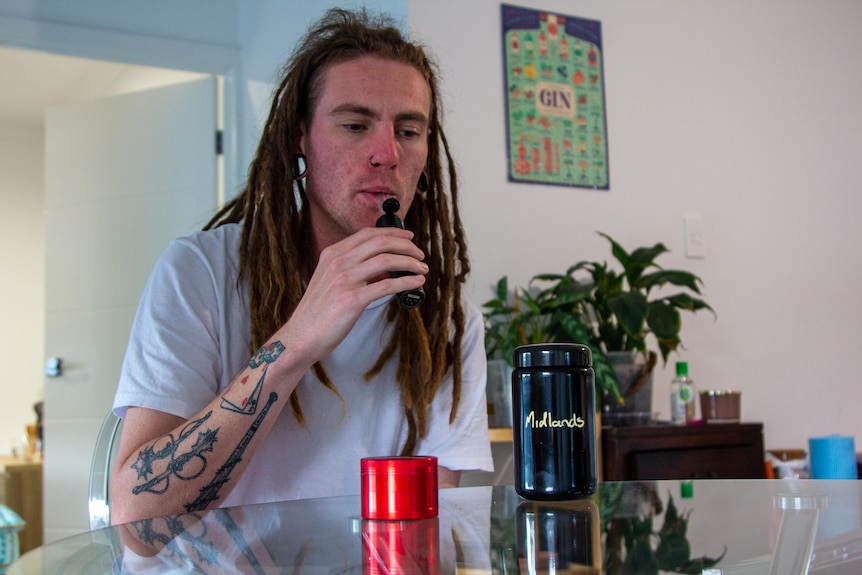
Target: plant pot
(499, 393)
(635, 387)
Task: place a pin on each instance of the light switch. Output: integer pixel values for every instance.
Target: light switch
(695, 237)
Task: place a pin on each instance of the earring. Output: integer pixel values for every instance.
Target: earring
(302, 166)
(422, 184)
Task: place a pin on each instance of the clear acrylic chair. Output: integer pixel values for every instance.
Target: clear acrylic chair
(104, 455)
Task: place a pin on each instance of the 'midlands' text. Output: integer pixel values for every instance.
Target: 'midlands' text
(547, 420)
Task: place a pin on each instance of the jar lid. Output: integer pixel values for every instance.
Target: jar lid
(399, 487)
(552, 355)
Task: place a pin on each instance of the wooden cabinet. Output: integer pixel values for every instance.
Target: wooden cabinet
(21, 490)
(721, 451)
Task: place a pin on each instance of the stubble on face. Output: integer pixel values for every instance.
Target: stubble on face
(368, 141)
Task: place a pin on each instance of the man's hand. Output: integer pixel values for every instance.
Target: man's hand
(349, 276)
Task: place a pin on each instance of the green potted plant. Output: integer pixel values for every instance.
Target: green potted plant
(617, 312)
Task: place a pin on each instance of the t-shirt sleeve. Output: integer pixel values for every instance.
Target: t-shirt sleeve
(463, 445)
(172, 359)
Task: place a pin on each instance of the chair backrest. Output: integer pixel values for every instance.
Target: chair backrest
(104, 455)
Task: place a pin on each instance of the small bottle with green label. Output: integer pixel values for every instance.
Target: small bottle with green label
(682, 396)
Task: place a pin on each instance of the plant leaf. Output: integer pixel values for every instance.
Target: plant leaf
(579, 266)
(617, 250)
(548, 277)
(663, 319)
(635, 263)
(646, 256)
(640, 260)
(675, 277)
(573, 292)
(686, 302)
(503, 289)
(496, 305)
(631, 311)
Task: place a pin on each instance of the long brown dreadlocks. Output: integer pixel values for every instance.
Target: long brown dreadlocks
(276, 251)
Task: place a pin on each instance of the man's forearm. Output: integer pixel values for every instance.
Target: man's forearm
(195, 464)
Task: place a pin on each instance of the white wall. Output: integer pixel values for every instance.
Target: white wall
(22, 279)
(745, 113)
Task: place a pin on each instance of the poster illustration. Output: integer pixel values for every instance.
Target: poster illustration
(555, 99)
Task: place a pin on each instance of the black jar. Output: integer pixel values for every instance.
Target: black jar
(554, 421)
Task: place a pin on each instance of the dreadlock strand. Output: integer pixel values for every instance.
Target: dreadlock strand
(296, 408)
(463, 271)
(410, 444)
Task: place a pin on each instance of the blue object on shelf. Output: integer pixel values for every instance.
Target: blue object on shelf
(10, 524)
(832, 457)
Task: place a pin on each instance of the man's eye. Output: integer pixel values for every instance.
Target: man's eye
(354, 127)
(408, 133)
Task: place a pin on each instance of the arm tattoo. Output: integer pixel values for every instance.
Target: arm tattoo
(148, 456)
(209, 493)
(176, 465)
(264, 356)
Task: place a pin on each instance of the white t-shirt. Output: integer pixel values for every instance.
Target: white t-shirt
(191, 337)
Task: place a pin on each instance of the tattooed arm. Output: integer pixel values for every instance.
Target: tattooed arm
(192, 465)
(169, 465)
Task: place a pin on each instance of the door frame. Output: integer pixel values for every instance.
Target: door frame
(143, 50)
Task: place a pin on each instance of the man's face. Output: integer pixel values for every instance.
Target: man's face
(368, 141)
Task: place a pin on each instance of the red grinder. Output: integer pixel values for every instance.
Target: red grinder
(395, 488)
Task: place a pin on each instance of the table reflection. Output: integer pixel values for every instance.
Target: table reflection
(711, 527)
(559, 537)
(408, 547)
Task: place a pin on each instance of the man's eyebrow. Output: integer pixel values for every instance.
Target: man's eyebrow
(361, 110)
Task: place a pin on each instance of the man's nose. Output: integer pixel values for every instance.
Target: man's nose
(384, 148)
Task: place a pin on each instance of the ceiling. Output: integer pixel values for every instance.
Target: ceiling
(39, 80)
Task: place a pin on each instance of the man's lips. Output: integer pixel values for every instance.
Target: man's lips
(375, 198)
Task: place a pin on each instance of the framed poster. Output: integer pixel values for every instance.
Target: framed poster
(555, 99)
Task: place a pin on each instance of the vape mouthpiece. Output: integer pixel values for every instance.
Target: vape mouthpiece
(391, 205)
(390, 219)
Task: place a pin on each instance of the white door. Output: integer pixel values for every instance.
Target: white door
(123, 176)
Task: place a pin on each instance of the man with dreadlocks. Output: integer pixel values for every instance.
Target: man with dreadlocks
(268, 354)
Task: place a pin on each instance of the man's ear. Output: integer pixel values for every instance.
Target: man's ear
(302, 135)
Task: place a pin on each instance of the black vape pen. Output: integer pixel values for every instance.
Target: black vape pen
(410, 298)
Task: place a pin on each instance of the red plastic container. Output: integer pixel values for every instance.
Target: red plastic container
(399, 488)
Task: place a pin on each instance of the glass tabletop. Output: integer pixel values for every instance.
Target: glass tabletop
(706, 526)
